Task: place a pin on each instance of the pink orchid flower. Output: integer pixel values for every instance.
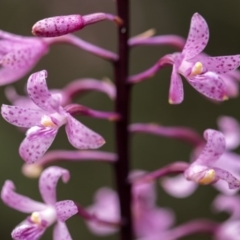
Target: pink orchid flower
(42, 215)
(148, 219)
(201, 71)
(230, 229)
(18, 55)
(45, 122)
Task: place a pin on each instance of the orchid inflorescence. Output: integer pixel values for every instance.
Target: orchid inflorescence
(132, 209)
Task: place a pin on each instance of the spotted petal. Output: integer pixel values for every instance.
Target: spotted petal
(27, 231)
(221, 64)
(210, 85)
(214, 148)
(38, 91)
(48, 183)
(82, 137)
(18, 201)
(60, 232)
(176, 88)
(36, 143)
(197, 37)
(21, 117)
(65, 209)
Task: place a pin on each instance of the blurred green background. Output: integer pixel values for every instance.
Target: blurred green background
(149, 99)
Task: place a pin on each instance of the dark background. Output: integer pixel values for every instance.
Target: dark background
(149, 99)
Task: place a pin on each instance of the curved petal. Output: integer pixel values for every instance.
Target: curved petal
(221, 64)
(17, 201)
(230, 127)
(48, 183)
(176, 88)
(65, 209)
(38, 91)
(229, 230)
(60, 232)
(21, 117)
(210, 85)
(229, 204)
(197, 37)
(27, 231)
(233, 182)
(36, 143)
(214, 148)
(178, 186)
(82, 137)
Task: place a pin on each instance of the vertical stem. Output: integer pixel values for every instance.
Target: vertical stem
(122, 107)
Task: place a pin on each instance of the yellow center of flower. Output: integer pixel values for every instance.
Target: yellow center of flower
(197, 69)
(47, 122)
(35, 218)
(208, 178)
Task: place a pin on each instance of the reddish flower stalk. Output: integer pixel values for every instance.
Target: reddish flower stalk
(122, 135)
(92, 217)
(176, 167)
(34, 170)
(77, 109)
(89, 47)
(180, 133)
(192, 227)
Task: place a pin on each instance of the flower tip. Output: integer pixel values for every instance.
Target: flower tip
(114, 118)
(118, 21)
(225, 97)
(147, 34)
(32, 170)
(173, 102)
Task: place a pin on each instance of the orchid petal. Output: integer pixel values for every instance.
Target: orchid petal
(231, 85)
(176, 88)
(38, 91)
(60, 232)
(36, 143)
(232, 181)
(23, 57)
(17, 201)
(231, 129)
(221, 64)
(214, 148)
(152, 222)
(105, 207)
(230, 204)
(80, 136)
(178, 186)
(7, 75)
(197, 37)
(65, 209)
(21, 117)
(27, 231)
(48, 183)
(210, 85)
(229, 230)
